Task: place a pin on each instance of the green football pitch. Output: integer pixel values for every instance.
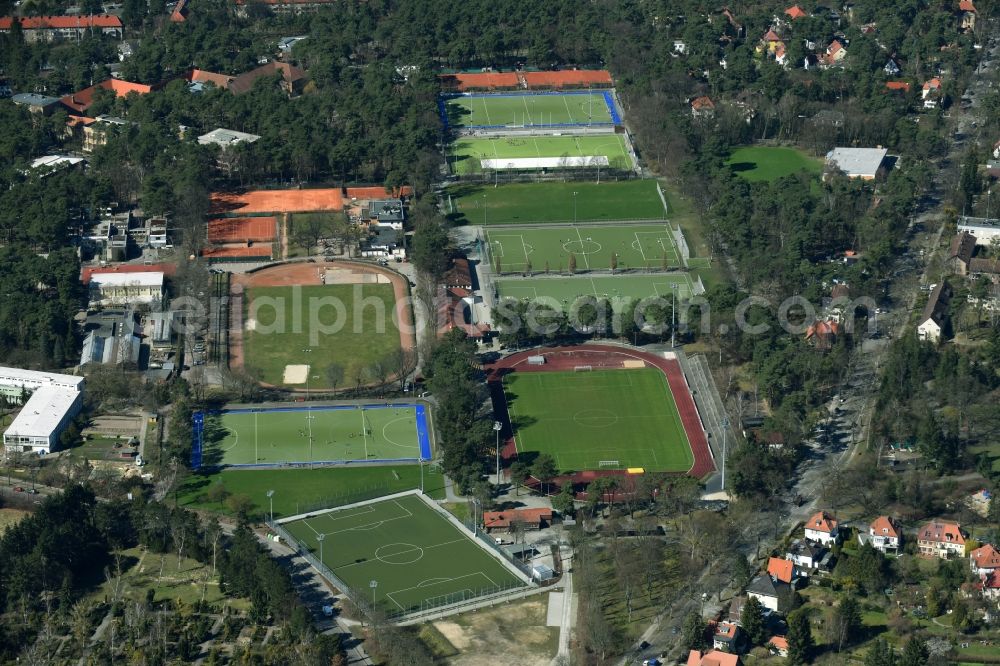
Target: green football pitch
(593, 247)
(417, 556)
(354, 336)
(271, 437)
(527, 110)
(466, 152)
(620, 289)
(532, 203)
(604, 419)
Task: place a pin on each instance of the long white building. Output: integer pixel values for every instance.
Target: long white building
(52, 402)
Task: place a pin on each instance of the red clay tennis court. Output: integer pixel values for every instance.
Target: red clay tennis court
(262, 252)
(572, 77)
(242, 229)
(276, 202)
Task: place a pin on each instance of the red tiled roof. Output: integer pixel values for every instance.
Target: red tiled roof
(62, 22)
(244, 82)
(202, 76)
(966, 6)
(884, 526)
(780, 642)
(88, 271)
(82, 100)
(796, 12)
(822, 329)
(780, 569)
(933, 84)
(180, 13)
(712, 658)
(941, 532)
(725, 629)
(834, 47)
(702, 102)
(986, 557)
(502, 519)
(822, 522)
(898, 85)
(771, 36)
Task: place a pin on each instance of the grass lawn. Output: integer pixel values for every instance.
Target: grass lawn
(183, 580)
(768, 163)
(418, 556)
(638, 246)
(302, 434)
(99, 448)
(582, 418)
(620, 289)
(526, 109)
(465, 153)
(280, 327)
(299, 490)
(526, 203)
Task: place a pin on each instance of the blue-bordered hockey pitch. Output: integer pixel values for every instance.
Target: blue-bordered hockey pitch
(267, 437)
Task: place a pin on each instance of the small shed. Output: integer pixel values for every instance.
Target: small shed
(542, 572)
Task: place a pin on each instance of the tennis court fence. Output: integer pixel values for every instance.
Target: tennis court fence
(681, 243)
(697, 287)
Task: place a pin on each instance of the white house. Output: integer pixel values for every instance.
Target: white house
(863, 163)
(822, 528)
(771, 593)
(985, 559)
(804, 555)
(126, 288)
(933, 318)
(50, 401)
(884, 534)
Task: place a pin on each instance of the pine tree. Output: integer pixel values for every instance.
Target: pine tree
(692, 631)
(880, 654)
(752, 619)
(914, 654)
(800, 640)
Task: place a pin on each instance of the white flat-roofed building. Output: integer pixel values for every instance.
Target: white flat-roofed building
(984, 229)
(126, 288)
(863, 163)
(54, 400)
(226, 137)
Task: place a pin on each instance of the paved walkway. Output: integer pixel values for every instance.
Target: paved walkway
(568, 617)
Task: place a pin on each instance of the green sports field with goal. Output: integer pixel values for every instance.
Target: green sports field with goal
(533, 203)
(418, 558)
(602, 419)
(304, 434)
(465, 153)
(594, 247)
(619, 289)
(525, 110)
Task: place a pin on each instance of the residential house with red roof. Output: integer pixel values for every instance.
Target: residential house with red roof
(989, 585)
(931, 93)
(985, 559)
(55, 28)
(884, 534)
(712, 658)
(78, 102)
(941, 539)
(823, 333)
(796, 12)
(834, 53)
(897, 86)
(702, 107)
(822, 528)
(967, 15)
(781, 570)
(778, 645)
(728, 637)
(180, 13)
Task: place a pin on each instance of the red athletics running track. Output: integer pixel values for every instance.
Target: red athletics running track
(606, 356)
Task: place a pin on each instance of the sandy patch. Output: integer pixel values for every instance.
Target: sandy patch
(508, 634)
(251, 324)
(11, 517)
(296, 374)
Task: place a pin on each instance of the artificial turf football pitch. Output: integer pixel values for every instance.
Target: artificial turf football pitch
(621, 418)
(527, 110)
(305, 434)
(416, 555)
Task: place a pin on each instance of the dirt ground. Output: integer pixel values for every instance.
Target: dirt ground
(508, 634)
(10, 517)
